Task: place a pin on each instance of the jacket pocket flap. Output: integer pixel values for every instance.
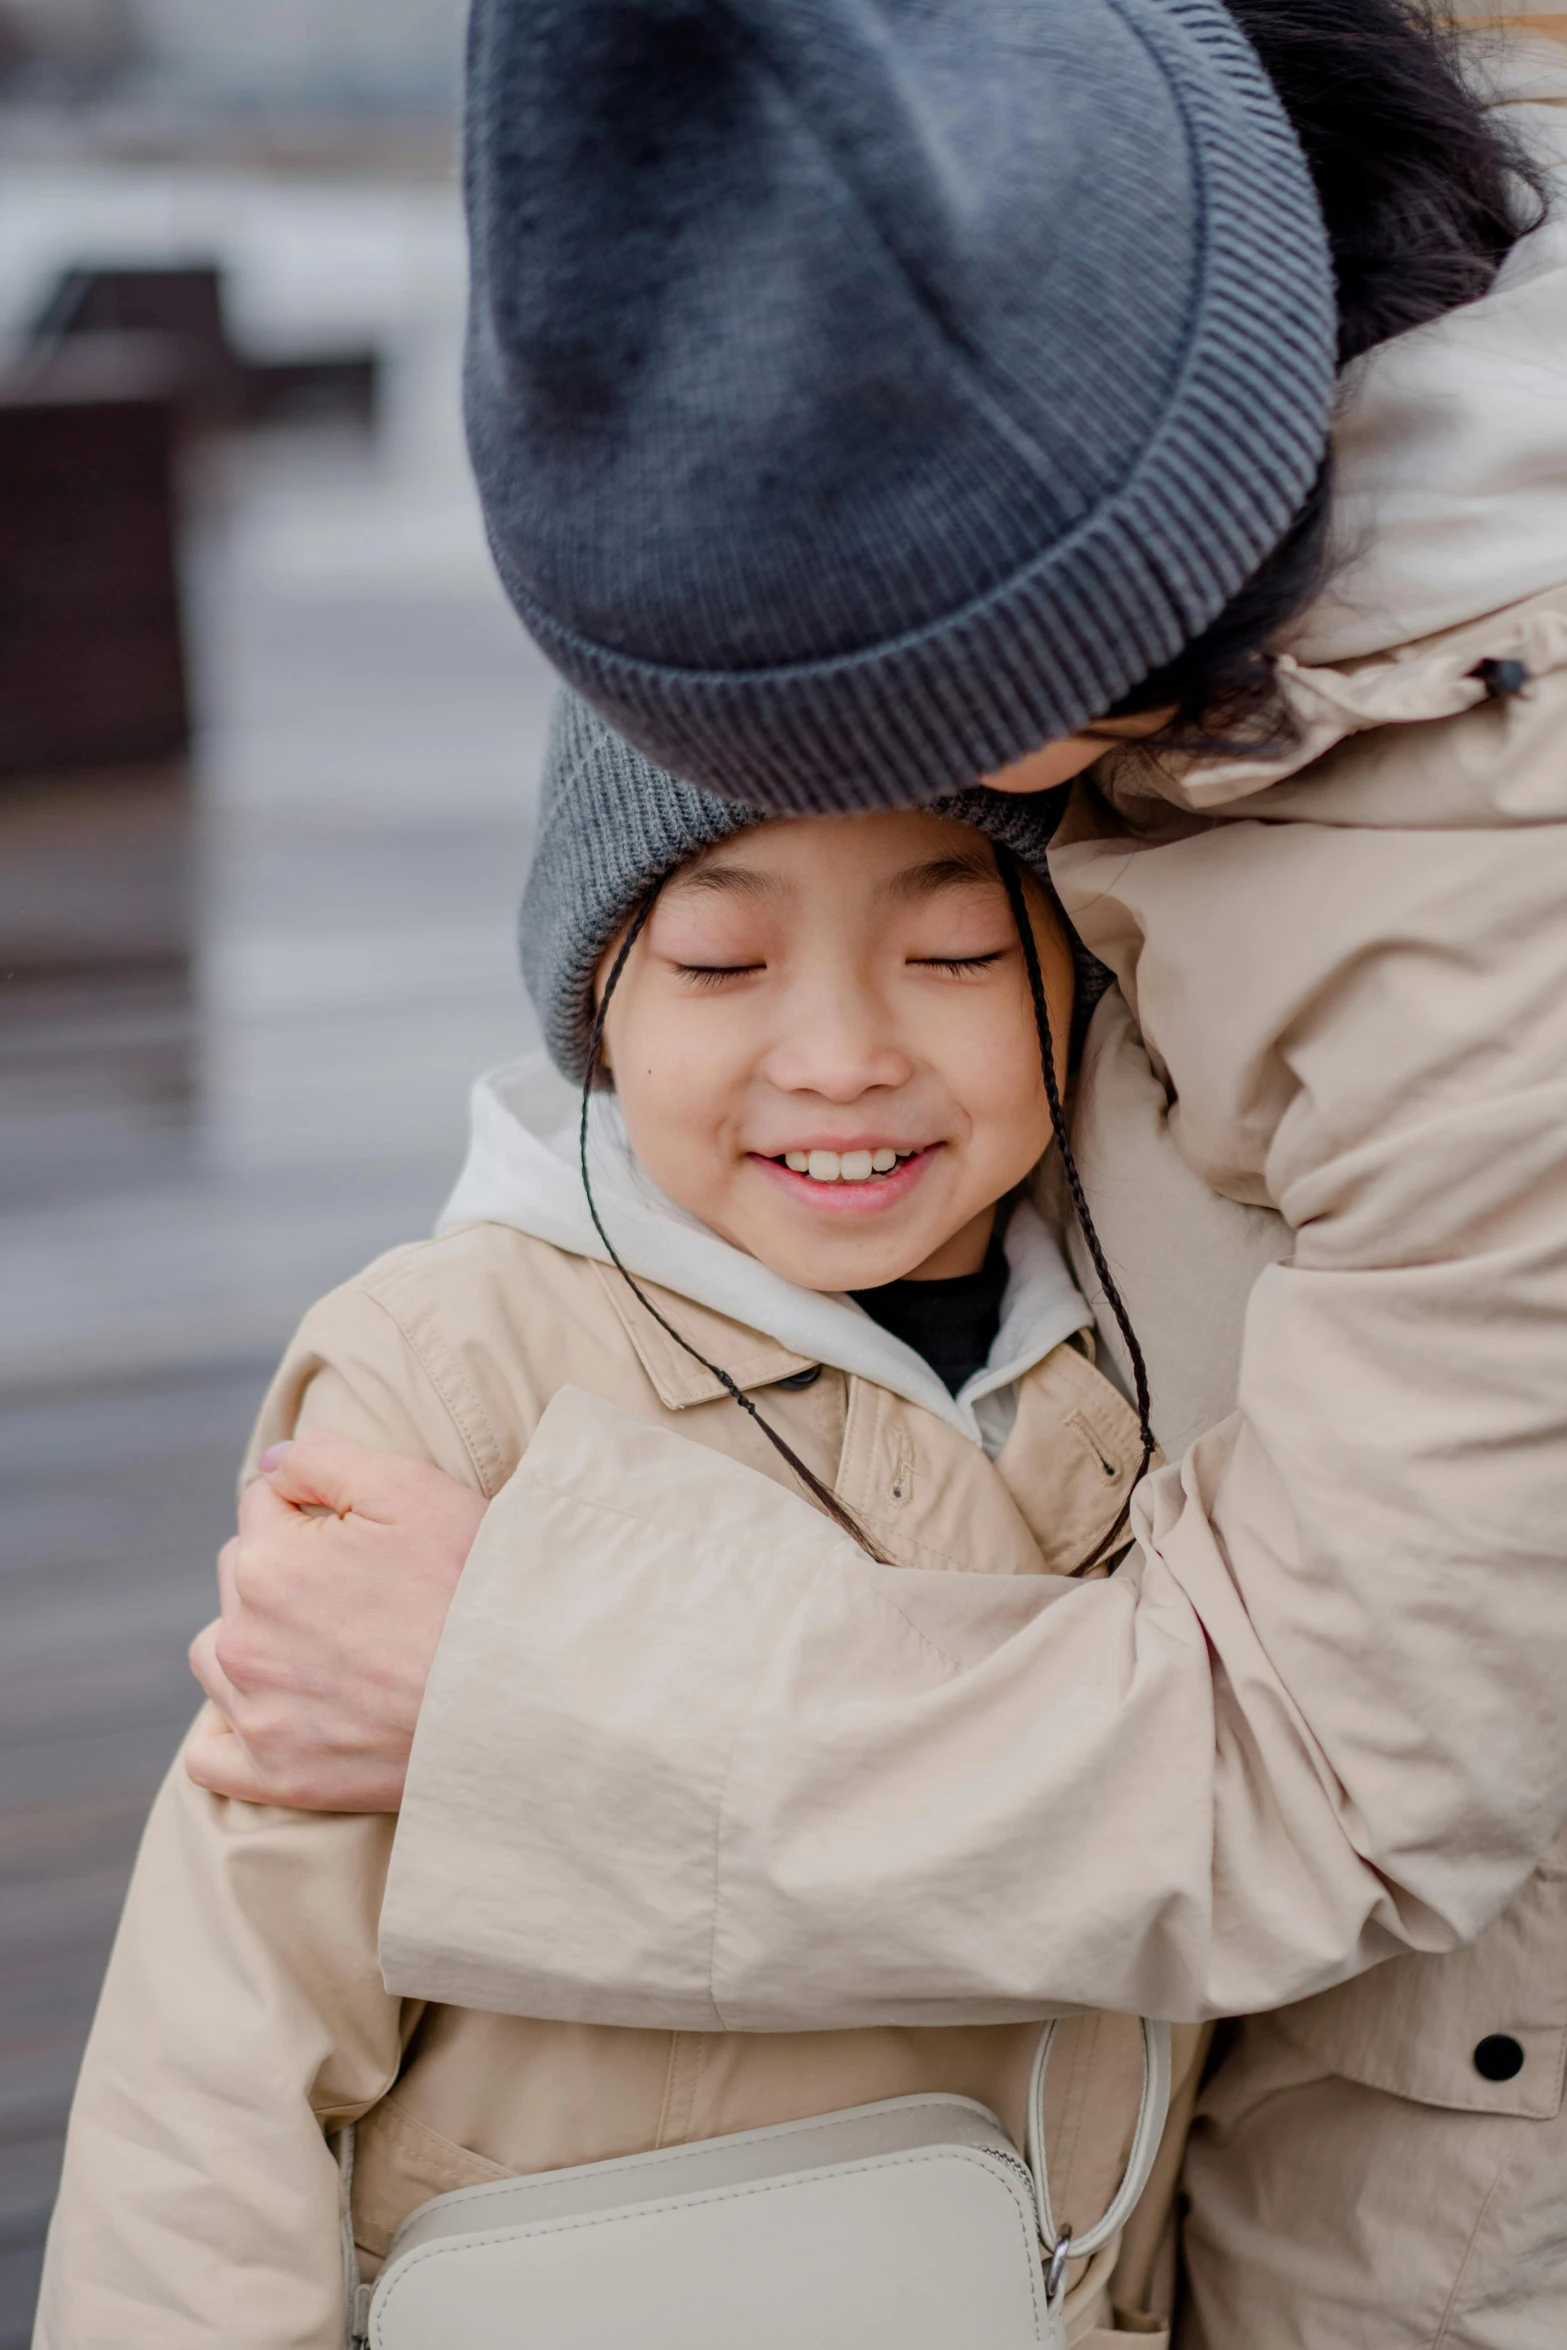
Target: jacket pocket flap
(400, 2163)
(1481, 2030)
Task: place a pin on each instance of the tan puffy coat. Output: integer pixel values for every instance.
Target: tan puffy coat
(1318, 1719)
(244, 2015)
(1384, 1110)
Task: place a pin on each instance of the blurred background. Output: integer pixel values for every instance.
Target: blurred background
(268, 735)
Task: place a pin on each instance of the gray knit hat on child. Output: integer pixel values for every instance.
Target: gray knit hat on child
(611, 824)
(863, 392)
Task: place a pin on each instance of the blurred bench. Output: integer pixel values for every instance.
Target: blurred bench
(220, 384)
(97, 1062)
(92, 664)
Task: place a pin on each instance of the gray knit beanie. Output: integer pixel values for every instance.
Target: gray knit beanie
(864, 392)
(611, 824)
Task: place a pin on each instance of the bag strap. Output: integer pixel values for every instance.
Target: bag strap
(1152, 2112)
(356, 2295)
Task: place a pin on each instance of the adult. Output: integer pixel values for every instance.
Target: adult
(855, 415)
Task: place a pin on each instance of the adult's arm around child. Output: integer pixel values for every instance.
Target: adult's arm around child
(1317, 1717)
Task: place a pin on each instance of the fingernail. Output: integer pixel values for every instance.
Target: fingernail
(274, 1453)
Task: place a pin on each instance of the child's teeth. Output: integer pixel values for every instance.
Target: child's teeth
(845, 1166)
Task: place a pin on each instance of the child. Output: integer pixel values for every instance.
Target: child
(813, 1108)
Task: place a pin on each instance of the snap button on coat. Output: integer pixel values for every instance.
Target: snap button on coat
(1498, 2057)
(1501, 679)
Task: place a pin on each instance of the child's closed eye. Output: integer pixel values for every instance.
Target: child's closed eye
(959, 965)
(709, 975)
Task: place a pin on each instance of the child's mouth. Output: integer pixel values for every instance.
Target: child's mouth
(865, 1179)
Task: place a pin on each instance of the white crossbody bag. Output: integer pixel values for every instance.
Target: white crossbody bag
(914, 2224)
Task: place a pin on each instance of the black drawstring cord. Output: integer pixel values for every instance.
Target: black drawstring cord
(813, 1484)
(1012, 881)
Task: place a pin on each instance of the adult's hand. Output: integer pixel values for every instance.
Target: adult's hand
(334, 1593)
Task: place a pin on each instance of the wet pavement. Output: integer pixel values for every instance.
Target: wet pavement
(240, 1007)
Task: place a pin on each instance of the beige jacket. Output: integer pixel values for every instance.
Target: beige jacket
(244, 2016)
(1386, 1510)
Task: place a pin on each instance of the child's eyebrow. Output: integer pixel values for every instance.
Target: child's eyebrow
(743, 880)
(960, 869)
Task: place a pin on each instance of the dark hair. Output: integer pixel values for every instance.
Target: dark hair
(1423, 194)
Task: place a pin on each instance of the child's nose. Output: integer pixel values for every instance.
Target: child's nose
(838, 1046)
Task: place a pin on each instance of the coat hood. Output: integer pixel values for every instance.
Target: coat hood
(522, 1170)
(1450, 450)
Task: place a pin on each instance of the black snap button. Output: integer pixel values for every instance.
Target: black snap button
(1498, 2057)
(1501, 679)
(806, 1378)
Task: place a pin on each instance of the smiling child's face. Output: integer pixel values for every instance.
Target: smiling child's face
(824, 1045)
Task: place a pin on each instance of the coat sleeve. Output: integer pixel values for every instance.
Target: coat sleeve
(243, 2018)
(1315, 1719)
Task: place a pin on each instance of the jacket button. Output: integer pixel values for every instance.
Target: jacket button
(1500, 678)
(1498, 2057)
(806, 1378)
